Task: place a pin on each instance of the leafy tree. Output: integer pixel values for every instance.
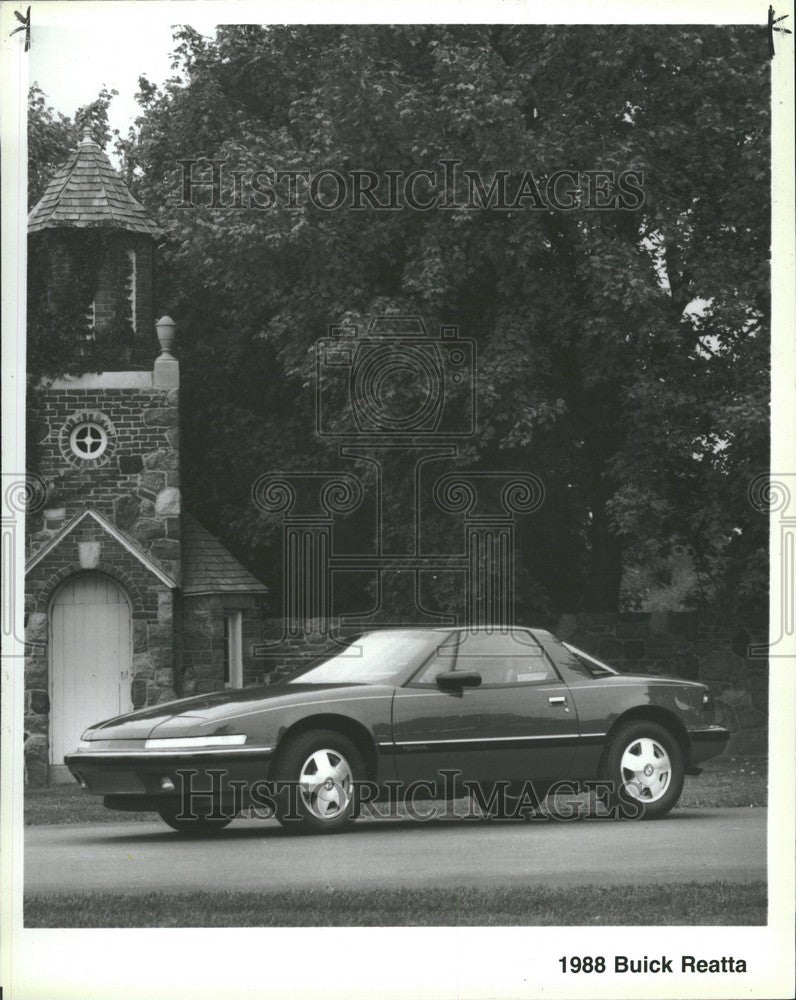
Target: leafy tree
(52, 136)
(623, 355)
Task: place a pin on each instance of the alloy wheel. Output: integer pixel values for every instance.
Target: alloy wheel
(325, 784)
(646, 769)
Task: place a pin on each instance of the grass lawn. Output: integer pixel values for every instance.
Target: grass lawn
(70, 804)
(728, 781)
(725, 781)
(689, 903)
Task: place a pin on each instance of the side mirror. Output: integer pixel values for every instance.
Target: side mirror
(453, 679)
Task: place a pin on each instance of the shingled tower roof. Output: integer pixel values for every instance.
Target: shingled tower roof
(209, 568)
(86, 192)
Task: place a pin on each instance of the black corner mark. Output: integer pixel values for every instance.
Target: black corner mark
(25, 23)
(772, 27)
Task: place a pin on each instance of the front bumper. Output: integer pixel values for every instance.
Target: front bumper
(132, 775)
(708, 742)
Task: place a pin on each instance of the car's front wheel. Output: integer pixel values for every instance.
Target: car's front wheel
(645, 760)
(200, 826)
(320, 767)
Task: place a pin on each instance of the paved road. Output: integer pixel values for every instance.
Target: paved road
(699, 845)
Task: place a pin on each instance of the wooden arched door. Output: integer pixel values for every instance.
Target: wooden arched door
(90, 658)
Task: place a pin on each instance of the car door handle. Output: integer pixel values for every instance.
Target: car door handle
(557, 700)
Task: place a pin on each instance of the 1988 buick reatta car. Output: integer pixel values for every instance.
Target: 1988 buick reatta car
(403, 706)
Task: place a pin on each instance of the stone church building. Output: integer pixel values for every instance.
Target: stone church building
(130, 601)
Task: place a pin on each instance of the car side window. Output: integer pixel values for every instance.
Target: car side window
(441, 661)
(502, 658)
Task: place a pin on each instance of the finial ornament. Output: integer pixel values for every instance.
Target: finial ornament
(166, 328)
(88, 138)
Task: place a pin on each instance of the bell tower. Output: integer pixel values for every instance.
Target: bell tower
(97, 245)
(105, 552)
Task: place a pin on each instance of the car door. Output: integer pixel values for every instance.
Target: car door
(520, 723)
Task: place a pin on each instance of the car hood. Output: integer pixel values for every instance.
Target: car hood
(220, 707)
(665, 678)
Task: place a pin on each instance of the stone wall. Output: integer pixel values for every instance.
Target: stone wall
(279, 652)
(697, 645)
(202, 631)
(134, 483)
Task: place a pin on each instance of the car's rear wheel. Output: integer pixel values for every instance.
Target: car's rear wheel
(645, 760)
(322, 766)
(201, 826)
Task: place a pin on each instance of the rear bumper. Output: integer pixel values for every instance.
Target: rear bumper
(707, 743)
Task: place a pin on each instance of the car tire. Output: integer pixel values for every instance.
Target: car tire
(322, 765)
(201, 826)
(646, 761)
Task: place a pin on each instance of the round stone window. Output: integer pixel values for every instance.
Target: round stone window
(88, 440)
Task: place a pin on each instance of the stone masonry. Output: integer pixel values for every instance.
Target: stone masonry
(134, 485)
(697, 645)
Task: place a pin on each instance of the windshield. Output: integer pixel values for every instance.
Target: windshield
(375, 658)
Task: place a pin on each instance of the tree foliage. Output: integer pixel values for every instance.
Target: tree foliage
(622, 355)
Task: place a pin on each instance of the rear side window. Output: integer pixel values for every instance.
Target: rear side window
(586, 664)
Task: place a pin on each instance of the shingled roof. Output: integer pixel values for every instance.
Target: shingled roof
(87, 192)
(209, 568)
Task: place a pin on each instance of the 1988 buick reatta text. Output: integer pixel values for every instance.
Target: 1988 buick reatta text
(398, 707)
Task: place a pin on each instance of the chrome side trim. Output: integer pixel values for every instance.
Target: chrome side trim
(607, 685)
(492, 739)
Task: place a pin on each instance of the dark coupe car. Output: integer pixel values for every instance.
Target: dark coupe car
(403, 706)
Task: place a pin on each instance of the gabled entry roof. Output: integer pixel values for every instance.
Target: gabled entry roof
(87, 192)
(210, 568)
(113, 531)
